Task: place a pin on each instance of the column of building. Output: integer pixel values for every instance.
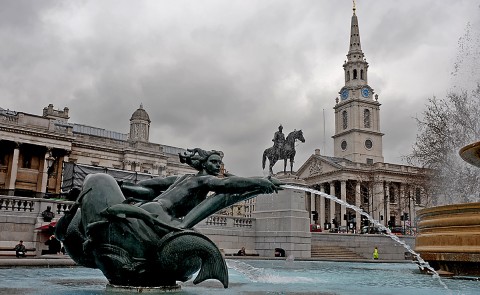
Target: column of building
(44, 182)
(358, 217)
(343, 197)
(332, 203)
(14, 169)
(387, 202)
(321, 206)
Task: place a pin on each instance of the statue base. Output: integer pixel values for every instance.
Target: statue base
(147, 290)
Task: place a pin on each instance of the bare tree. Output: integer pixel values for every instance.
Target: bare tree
(450, 123)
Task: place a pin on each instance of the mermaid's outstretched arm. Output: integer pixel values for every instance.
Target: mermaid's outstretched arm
(211, 205)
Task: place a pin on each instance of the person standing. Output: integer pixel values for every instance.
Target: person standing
(375, 253)
(54, 246)
(20, 250)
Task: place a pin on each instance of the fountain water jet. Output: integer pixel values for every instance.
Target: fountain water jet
(421, 262)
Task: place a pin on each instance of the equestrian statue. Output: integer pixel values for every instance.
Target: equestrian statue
(283, 148)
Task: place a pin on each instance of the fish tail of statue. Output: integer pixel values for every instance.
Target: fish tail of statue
(186, 252)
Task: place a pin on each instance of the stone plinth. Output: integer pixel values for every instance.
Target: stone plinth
(283, 222)
(449, 238)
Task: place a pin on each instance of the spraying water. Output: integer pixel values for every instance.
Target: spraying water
(423, 264)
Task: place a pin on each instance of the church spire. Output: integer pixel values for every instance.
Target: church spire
(355, 51)
(356, 65)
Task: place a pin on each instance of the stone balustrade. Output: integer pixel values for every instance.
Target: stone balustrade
(32, 205)
(227, 221)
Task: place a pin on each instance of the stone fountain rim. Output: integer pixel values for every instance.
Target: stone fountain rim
(471, 153)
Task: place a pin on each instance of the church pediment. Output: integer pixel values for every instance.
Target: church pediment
(317, 165)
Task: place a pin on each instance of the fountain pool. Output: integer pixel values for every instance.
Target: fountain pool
(254, 277)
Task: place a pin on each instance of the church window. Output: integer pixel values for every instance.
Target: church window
(368, 144)
(354, 74)
(345, 119)
(347, 76)
(369, 161)
(391, 193)
(366, 118)
(361, 74)
(343, 145)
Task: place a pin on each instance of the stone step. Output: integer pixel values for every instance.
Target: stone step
(333, 252)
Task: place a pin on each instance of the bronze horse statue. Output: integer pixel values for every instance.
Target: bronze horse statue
(285, 153)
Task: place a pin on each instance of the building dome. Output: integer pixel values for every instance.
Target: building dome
(139, 125)
(140, 114)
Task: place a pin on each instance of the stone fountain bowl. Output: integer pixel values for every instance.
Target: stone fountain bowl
(471, 154)
(449, 236)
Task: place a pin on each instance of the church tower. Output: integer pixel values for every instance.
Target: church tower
(140, 125)
(357, 112)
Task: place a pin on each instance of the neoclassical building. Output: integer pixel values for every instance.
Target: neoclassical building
(35, 149)
(357, 172)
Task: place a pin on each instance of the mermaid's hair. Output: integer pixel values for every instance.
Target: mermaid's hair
(196, 157)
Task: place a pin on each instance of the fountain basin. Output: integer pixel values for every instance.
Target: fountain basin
(253, 277)
(449, 238)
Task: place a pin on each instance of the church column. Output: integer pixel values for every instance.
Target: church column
(14, 169)
(358, 216)
(401, 201)
(321, 209)
(332, 202)
(411, 205)
(387, 202)
(378, 196)
(343, 196)
(312, 206)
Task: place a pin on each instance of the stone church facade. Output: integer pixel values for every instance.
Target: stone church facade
(357, 173)
(33, 150)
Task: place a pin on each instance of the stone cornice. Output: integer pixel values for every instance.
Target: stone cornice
(37, 133)
(357, 130)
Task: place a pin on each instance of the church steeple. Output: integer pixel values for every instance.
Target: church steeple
(356, 65)
(357, 114)
(355, 51)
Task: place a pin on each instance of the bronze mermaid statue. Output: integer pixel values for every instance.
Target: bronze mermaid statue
(141, 234)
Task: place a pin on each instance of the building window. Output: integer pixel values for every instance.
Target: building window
(347, 76)
(354, 74)
(343, 145)
(27, 160)
(369, 161)
(418, 196)
(366, 118)
(345, 119)
(361, 74)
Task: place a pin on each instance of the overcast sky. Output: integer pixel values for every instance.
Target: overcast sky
(224, 74)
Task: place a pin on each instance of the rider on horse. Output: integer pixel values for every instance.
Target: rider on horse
(279, 141)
